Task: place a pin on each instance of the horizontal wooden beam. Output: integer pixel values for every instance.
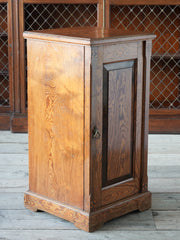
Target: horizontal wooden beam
(164, 125)
(144, 2)
(19, 124)
(5, 122)
(62, 1)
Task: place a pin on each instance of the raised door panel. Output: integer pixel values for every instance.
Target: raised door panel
(118, 111)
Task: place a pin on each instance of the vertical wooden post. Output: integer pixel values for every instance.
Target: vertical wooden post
(10, 54)
(107, 13)
(100, 14)
(16, 87)
(147, 49)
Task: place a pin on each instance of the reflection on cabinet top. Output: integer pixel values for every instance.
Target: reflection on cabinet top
(87, 35)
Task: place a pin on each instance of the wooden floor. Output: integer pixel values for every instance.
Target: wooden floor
(161, 222)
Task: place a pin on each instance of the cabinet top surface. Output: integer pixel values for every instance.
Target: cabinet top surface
(87, 35)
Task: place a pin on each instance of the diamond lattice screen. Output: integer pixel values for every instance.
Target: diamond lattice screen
(164, 21)
(44, 16)
(4, 76)
(47, 16)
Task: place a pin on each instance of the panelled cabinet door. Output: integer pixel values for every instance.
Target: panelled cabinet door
(120, 108)
(120, 164)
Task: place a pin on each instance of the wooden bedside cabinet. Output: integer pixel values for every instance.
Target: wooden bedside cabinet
(88, 93)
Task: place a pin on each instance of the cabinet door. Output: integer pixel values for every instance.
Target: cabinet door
(117, 157)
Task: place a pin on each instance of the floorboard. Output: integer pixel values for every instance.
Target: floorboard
(81, 235)
(164, 185)
(166, 201)
(167, 220)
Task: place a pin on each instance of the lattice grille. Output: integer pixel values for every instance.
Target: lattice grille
(44, 16)
(48, 16)
(164, 21)
(4, 75)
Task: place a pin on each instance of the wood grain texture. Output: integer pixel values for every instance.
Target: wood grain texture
(164, 125)
(5, 122)
(96, 121)
(89, 36)
(120, 105)
(132, 186)
(82, 219)
(124, 51)
(56, 121)
(87, 129)
(19, 124)
(147, 50)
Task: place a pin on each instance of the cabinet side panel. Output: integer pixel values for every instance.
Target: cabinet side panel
(56, 120)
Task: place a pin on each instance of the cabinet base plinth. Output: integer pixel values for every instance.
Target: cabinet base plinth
(87, 221)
